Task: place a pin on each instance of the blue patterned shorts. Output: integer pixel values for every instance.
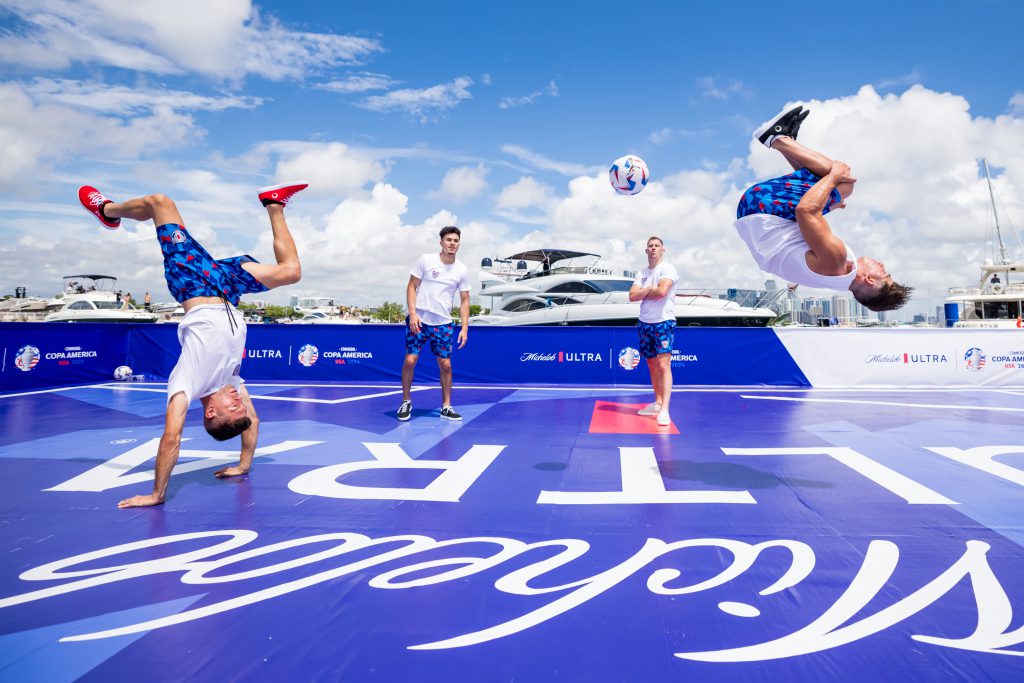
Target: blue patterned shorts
(190, 271)
(440, 337)
(779, 196)
(656, 338)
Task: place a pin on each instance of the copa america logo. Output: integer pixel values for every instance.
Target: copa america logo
(177, 237)
(974, 359)
(434, 273)
(308, 355)
(629, 358)
(28, 358)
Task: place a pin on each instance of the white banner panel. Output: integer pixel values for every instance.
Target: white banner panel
(906, 357)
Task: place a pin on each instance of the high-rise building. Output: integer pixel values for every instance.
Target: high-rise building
(841, 307)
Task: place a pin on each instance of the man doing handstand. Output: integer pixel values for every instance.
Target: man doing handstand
(212, 333)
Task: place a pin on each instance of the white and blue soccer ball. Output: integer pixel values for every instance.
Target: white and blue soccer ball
(629, 174)
(122, 373)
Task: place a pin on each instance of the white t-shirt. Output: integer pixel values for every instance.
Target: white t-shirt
(211, 353)
(778, 247)
(658, 310)
(438, 284)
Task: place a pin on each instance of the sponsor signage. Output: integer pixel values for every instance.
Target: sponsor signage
(562, 357)
(308, 355)
(347, 355)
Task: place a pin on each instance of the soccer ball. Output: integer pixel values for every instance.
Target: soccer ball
(629, 174)
(122, 373)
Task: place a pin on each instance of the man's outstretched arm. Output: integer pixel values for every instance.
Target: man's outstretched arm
(166, 455)
(249, 438)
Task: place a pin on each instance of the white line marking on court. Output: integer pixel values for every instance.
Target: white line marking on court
(630, 389)
(54, 390)
(299, 399)
(805, 399)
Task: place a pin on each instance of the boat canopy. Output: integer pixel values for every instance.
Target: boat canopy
(93, 277)
(549, 255)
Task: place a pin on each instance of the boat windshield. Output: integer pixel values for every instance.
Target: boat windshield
(591, 287)
(107, 305)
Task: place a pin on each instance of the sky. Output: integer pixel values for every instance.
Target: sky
(501, 118)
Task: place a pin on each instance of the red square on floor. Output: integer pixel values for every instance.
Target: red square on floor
(621, 418)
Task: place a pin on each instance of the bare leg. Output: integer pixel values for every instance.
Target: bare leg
(664, 370)
(157, 207)
(655, 372)
(408, 368)
(445, 365)
(287, 270)
(799, 156)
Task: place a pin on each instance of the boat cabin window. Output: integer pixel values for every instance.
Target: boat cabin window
(80, 306)
(573, 288)
(108, 305)
(1001, 310)
(610, 285)
(523, 305)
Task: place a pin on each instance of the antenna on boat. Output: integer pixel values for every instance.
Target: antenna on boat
(992, 197)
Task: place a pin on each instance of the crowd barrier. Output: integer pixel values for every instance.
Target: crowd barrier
(41, 355)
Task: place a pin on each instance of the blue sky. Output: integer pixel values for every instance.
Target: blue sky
(502, 118)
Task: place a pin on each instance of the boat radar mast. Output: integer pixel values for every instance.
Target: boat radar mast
(992, 197)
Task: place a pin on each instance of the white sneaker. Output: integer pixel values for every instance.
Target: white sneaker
(663, 419)
(650, 409)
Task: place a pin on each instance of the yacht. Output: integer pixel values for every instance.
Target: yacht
(91, 298)
(323, 318)
(563, 287)
(998, 300)
(27, 309)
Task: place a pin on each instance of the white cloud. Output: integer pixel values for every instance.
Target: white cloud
(510, 102)
(913, 77)
(526, 201)
(101, 97)
(1017, 104)
(486, 79)
(362, 82)
(423, 101)
(38, 134)
(544, 163)
(228, 39)
(331, 168)
(462, 184)
(714, 89)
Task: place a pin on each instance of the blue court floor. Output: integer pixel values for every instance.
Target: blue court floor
(553, 535)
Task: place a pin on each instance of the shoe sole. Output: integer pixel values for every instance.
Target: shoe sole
(451, 419)
(403, 419)
(647, 413)
(764, 129)
(282, 186)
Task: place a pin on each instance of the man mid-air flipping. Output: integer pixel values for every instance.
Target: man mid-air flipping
(212, 333)
(782, 221)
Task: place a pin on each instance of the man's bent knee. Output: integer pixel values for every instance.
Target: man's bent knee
(157, 202)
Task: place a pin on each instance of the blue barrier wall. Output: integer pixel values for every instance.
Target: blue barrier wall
(37, 355)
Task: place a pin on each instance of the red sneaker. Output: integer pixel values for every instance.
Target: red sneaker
(93, 201)
(281, 194)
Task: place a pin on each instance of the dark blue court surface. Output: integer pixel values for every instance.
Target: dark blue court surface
(767, 535)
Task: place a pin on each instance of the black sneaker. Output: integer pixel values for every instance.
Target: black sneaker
(794, 127)
(405, 410)
(449, 413)
(778, 126)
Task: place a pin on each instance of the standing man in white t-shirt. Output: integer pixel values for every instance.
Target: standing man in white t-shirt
(655, 289)
(429, 295)
(212, 333)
